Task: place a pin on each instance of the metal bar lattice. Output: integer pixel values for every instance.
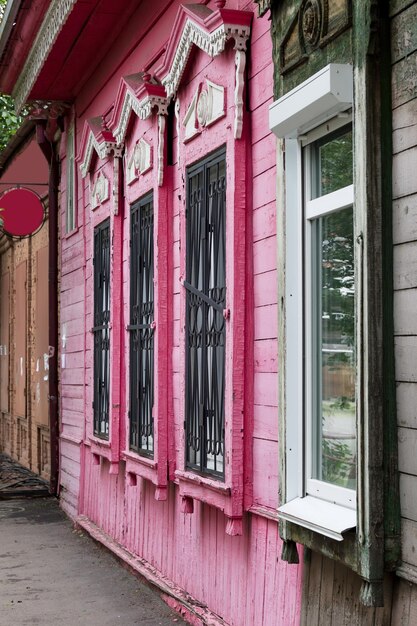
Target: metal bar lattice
(141, 434)
(205, 323)
(101, 329)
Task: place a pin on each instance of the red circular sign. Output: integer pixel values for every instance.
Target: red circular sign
(21, 211)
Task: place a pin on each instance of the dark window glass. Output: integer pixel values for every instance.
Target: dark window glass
(205, 325)
(141, 329)
(101, 329)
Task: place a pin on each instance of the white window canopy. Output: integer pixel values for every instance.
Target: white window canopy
(325, 518)
(324, 95)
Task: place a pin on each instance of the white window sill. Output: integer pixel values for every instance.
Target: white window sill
(325, 518)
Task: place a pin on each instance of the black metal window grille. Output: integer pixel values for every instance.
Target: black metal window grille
(101, 329)
(141, 435)
(205, 323)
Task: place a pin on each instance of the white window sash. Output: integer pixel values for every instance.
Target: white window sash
(314, 209)
(330, 203)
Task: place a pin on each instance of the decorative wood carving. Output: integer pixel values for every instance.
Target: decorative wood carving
(138, 93)
(100, 191)
(140, 160)
(116, 175)
(95, 138)
(207, 106)
(177, 115)
(316, 23)
(240, 59)
(208, 30)
(190, 119)
(161, 148)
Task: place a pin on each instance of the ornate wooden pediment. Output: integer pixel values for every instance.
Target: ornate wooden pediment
(96, 138)
(316, 23)
(140, 94)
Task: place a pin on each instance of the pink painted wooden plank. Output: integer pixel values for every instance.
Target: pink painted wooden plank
(73, 376)
(264, 222)
(266, 322)
(265, 473)
(265, 422)
(264, 155)
(260, 121)
(264, 255)
(261, 87)
(74, 343)
(266, 288)
(266, 389)
(266, 356)
(264, 188)
(72, 295)
(72, 312)
(70, 391)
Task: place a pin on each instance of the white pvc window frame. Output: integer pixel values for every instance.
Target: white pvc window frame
(313, 209)
(325, 508)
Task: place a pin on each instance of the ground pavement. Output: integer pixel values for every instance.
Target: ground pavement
(52, 575)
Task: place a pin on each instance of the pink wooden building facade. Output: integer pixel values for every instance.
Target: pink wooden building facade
(179, 84)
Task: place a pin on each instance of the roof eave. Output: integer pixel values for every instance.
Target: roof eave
(8, 21)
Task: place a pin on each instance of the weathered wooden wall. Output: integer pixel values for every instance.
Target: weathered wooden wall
(404, 117)
(240, 578)
(24, 353)
(330, 591)
(24, 419)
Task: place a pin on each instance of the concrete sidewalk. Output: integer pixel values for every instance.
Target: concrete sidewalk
(52, 575)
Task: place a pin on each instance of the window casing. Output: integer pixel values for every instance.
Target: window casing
(205, 321)
(101, 330)
(319, 460)
(70, 216)
(141, 424)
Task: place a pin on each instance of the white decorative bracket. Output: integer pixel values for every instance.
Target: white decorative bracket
(240, 60)
(178, 125)
(116, 181)
(100, 191)
(161, 147)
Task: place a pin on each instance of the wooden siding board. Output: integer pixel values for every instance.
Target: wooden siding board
(405, 364)
(407, 451)
(405, 265)
(396, 6)
(407, 405)
(404, 135)
(404, 183)
(408, 485)
(405, 219)
(400, 615)
(265, 473)
(405, 301)
(264, 223)
(409, 542)
(404, 81)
